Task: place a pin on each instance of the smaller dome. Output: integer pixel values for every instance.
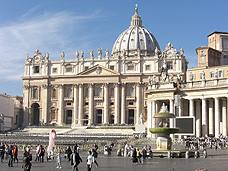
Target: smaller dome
(136, 39)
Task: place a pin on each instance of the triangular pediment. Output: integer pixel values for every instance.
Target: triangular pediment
(98, 70)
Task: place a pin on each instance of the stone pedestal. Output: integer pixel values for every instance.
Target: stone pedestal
(164, 143)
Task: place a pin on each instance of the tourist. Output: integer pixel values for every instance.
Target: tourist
(144, 153)
(96, 147)
(68, 152)
(138, 155)
(10, 161)
(75, 160)
(59, 166)
(6, 151)
(26, 162)
(134, 154)
(95, 155)
(89, 161)
(15, 154)
(37, 152)
(2, 152)
(150, 152)
(41, 154)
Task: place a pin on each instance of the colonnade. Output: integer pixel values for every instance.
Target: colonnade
(210, 114)
(120, 103)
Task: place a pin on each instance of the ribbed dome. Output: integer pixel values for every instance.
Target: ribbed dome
(136, 39)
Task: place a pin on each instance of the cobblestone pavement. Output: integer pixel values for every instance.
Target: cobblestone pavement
(217, 161)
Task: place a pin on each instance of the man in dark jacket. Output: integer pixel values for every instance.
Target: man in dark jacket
(75, 160)
(10, 162)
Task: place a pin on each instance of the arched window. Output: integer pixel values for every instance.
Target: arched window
(112, 92)
(69, 92)
(99, 92)
(131, 92)
(35, 93)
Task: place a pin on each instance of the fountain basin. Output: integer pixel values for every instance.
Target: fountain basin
(164, 130)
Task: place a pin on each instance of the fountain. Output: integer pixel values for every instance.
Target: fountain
(164, 141)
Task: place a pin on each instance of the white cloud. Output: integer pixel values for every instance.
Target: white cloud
(47, 31)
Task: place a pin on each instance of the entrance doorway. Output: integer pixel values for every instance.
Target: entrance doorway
(35, 115)
(131, 116)
(111, 121)
(86, 120)
(69, 117)
(99, 116)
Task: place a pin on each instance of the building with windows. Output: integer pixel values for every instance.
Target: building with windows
(202, 95)
(137, 78)
(103, 89)
(11, 112)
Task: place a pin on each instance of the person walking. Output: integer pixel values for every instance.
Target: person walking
(41, 154)
(26, 162)
(138, 155)
(89, 161)
(37, 152)
(68, 152)
(10, 161)
(15, 154)
(95, 155)
(2, 152)
(134, 154)
(144, 153)
(59, 166)
(75, 160)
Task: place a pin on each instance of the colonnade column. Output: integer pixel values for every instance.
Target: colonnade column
(117, 104)
(45, 118)
(75, 116)
(211, 117)
(171, 120)
(91, 101)
(61, 107)
(198, 119)
(80, 104)
(106, 103)
(26, 100)
(149, 117)
(123, 105)
(217, 117)
(224, 117)
(153, 119)
(191, 107)
(204, 118)
(138, 102)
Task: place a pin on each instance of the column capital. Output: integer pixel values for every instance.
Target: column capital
(80, 85)
(105, 85)
(75, 85)
(90, 85)
(26, 87)
(45, 86)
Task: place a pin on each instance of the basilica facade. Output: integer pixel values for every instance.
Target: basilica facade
(129, 83)
(107, 89)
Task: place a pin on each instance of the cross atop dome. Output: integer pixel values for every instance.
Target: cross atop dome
(136, 19)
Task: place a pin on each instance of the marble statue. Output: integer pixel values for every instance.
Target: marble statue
(47, 56)
(107, 53)
(99, 52)
(82, 54)
(62, 55)
(91, 54)
(77, 54)
(182, 51)
(141, 119)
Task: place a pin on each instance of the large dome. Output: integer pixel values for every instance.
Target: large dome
(136, 39)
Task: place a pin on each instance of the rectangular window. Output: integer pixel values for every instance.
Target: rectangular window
(86, 103)
(69, 69)
(36, 69)
(130, 68)
(111, 103)
(111, 67)
(131, 103)
(220, 73)
(212, 74)
(86, 68)
(54, 70)
(147, 67)
(170, 65)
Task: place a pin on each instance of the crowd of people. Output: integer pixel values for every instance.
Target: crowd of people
(9, 153)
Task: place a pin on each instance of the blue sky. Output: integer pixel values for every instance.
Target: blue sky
(54, 26)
